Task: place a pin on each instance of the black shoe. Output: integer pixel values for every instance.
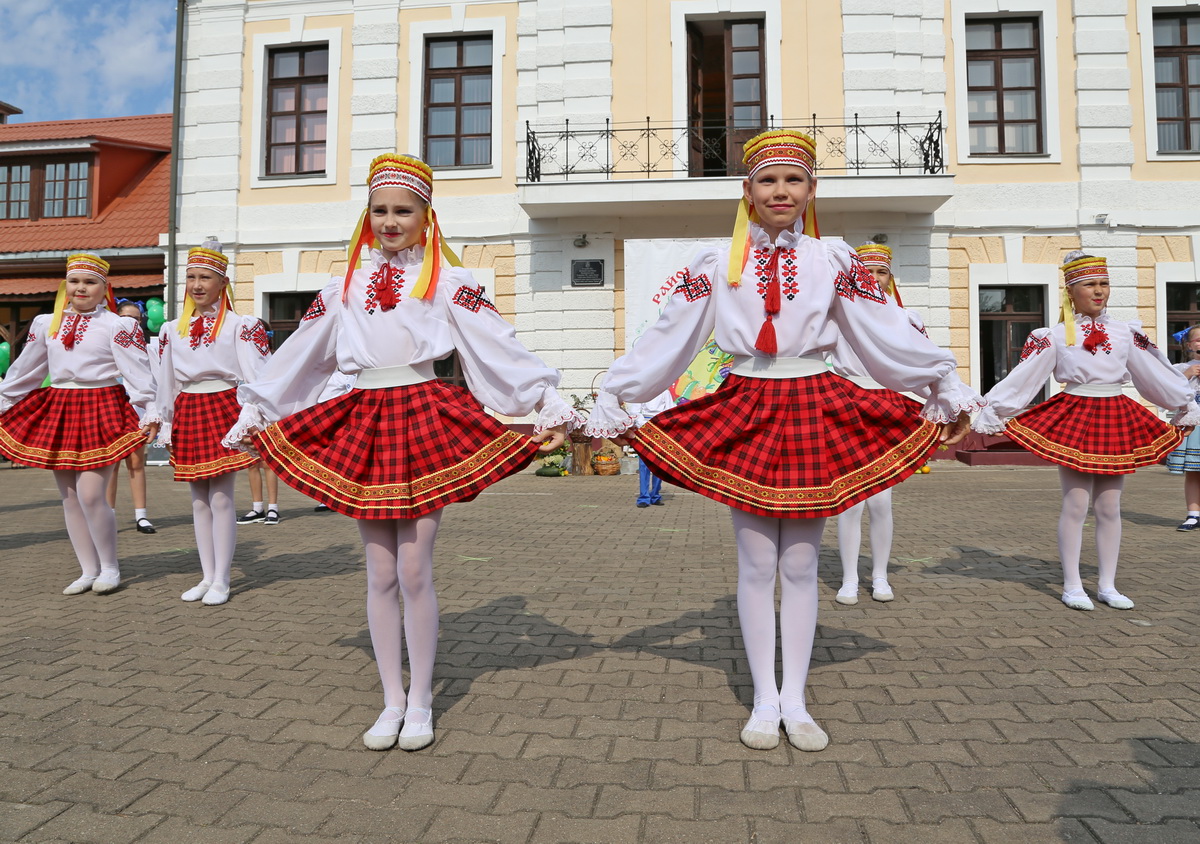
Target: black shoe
(144, 525)
(643, 504)
(657, 503)
(272, 518)
(1190, 523)
(321, 508)
(252, 517)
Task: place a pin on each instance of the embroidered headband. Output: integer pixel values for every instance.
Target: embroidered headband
(89, 264)
(207, 256)
(403, 171)
(878, 255)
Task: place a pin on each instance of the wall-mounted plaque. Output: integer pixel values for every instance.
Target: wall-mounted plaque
(587, 273)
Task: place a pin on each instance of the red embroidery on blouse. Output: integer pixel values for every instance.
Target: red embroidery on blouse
(1142, 341)
(693, 287)
(202, 335)
(73, 327)
(858, 282)
(126, 339)
(315, 310)
(162, 344)
(1035, 346)
(257, 334)
(789, 285)
(1102, 343)
(383, 290)
(472, 299)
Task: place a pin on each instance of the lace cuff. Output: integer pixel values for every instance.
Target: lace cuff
(1189, 417)
(250, 417)
(608, 419)
(987, 422)
(164, 434)
(949, 397)
(5, 404)
(555, 411)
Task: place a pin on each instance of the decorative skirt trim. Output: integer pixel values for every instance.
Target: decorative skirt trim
(71, 429)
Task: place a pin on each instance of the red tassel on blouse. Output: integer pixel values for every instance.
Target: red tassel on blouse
(1097, 338)
(386, 289)
(196, 331)
(766, 342)
(68, 339)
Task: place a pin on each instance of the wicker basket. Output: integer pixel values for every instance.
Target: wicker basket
(606, 467)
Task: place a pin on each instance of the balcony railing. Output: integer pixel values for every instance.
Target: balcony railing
(649, 150)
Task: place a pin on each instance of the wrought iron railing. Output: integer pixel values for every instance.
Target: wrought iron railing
(591, 151)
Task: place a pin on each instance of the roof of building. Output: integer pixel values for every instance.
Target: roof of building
(135, 217)
(10, 287)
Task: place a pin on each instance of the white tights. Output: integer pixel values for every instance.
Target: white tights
(849, 529)
(1105, 494)
(91, 523)
(788, 548)
(400, 563)
(215, 522)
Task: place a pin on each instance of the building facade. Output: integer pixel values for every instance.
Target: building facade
(582, 147)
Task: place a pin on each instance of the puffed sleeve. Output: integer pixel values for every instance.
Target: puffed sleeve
(893, 352)
(663, 351)
(167, 383)
(295, 376)
(129, 354)
(29, 370)
(253, 348)
(1158, 381)
(500, 371)
(1017, 389)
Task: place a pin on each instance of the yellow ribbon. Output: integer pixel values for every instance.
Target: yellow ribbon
(1066, 313)
(189, 310)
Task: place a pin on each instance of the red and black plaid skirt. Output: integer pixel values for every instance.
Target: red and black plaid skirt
(58, 428)
(394, 453)
(201, 419)
(789, 448)
(1105, 435)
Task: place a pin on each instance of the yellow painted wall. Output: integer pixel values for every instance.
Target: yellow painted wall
(1151, 250)
(338, 192)
(962, 252)
(500, 257)
(505, 123)
(1068, 169)
(1048, 250)
(248, 266)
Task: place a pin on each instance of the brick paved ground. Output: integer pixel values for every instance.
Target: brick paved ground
(591, 684)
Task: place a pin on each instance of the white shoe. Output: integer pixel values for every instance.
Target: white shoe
(1077, 599)
(762, 730)
(880, 590)
(108, 581)
(804, 734)
(382, 736)
(216, 595)
(847, 595)
(417, 731)
(197, 592)
(78, 587)
(1114, 599)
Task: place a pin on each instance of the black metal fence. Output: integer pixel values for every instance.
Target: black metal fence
(655, 150)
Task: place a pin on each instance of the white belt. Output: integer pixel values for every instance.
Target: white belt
(865, 381)
(85, 385)
(214, 386)
(750, 366)
(1093, 390)
(395, 376)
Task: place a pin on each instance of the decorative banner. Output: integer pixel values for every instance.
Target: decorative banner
(650, 277)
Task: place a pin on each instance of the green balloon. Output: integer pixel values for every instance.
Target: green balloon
(5, 357)
(154, 309)
(154, 323)
(154, 300)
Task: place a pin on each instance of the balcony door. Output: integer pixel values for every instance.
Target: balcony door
(726, 93)
(1007, 315)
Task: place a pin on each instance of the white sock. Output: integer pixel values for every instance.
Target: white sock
(139, 514)
(272, 508)
(1194, 514)
(257, 507)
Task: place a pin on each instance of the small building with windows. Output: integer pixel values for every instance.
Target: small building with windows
(67, 186)
(583, 149)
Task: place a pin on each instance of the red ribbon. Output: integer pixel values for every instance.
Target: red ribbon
(766, 342)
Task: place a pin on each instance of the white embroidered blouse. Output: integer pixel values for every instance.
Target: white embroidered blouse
(104, 347)
(828, 298)
(360, 335)
(1125, 355)
(236, 354)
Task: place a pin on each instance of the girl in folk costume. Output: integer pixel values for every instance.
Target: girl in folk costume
(204, 355)
(1185, 460)
(877, 258)
(83, 424)
(784, 442)
(401, 445)
(1095, 434)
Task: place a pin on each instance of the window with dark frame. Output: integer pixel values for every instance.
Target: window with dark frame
(1004, 86)
(284, 313)
(297, 110)
(40, 188)
(1007, 315)
(1177, 82)
(1183, 311)
(726, 92)
(458, 102)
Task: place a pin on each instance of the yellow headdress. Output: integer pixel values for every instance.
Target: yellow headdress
(879, 255)
(206, 257)
(780, 146)
(1078, 267)
(81, 262)
(404, 171)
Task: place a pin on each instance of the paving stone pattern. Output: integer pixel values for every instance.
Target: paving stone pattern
(591, 684)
